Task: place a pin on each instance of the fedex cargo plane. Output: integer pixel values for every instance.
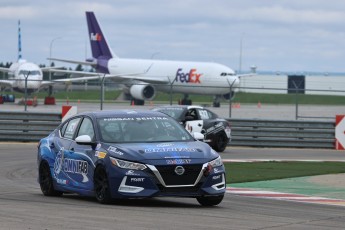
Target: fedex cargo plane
(141, 78)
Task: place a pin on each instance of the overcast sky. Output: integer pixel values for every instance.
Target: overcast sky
(289, 35)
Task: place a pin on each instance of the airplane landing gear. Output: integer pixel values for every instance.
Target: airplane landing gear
(216, 101)
(137, 102)
(185, 100)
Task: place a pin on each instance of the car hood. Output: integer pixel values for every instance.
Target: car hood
(146, 152)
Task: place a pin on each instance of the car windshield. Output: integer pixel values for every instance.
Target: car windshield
(175, 113)
(141, 129)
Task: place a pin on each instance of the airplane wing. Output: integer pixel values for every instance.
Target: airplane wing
(6, 83)
(246, 75)
(118, 78)
(46, 69)
(2, 69)
(115, 77)
(91, 63)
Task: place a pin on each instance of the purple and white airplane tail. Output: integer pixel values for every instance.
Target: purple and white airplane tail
(99, 46)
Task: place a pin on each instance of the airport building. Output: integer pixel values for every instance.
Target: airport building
(319, 84)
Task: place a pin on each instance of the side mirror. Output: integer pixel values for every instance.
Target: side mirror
(198, 136)
(84, 140)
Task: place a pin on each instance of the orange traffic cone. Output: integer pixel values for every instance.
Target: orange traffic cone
(132, 104)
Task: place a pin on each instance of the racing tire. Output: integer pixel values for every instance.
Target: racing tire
(46, 181)
(101, 185)
(220, 142)
(210, 200)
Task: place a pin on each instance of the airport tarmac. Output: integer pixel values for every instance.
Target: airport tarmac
(243, 111)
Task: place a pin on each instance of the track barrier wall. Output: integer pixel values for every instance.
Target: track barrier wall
(281, 133)
(28, 127)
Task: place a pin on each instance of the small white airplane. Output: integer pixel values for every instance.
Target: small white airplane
(22, 71)
(148, 76)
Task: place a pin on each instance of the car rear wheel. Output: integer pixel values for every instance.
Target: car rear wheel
(101, 185)
(46, 181)
(220, 142)
(210, 200)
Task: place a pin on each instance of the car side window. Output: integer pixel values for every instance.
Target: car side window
(86, 128)
(192, 113)
(71, 128)
(203, 114)
(63, 129)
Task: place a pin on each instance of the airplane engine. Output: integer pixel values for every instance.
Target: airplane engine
(142, 91)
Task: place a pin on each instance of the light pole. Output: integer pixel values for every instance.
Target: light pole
(230, 102)
(102, 90)
(171, 86)
(50, 55)
(240, 61)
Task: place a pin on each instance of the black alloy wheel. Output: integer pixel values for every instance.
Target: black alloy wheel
(46, 181)
(101, 185)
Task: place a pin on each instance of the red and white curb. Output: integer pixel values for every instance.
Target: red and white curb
(284, 196)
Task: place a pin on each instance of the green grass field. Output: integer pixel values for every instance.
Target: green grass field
(111, 96)
(259, 171)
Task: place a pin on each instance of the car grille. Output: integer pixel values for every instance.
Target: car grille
(191, 191)
(170, 178)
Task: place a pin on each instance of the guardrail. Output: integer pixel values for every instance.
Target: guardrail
(27, 126)
(280, 133)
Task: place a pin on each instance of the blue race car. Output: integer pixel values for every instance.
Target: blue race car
(128, 154)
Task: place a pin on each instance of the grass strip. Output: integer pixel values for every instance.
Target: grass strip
(238, 172)
(240, 97)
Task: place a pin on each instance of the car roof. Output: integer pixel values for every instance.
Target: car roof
(179, 106)
(123, 113)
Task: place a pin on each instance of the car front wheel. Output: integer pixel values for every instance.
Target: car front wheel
(210, 200)
(101, 185)
(46, 181)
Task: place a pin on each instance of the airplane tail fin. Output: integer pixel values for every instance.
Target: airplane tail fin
(99, 45)
(19, 42)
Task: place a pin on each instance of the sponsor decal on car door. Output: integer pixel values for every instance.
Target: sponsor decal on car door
(194, 126)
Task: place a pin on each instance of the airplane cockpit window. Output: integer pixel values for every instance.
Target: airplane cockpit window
(26, 72)
(227, 74)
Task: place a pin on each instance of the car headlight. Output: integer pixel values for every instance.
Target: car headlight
(212, 164)
(127, 164)
(216, 162)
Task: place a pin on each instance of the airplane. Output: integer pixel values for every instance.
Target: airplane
(22, 71)
(205, 78)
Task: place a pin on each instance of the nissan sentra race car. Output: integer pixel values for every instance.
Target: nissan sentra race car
(128, 154)
(216, 130)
